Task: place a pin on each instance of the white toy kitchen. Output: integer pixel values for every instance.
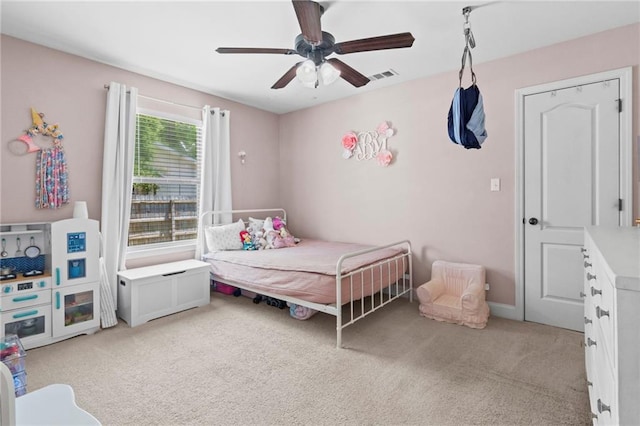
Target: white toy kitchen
(49, 280)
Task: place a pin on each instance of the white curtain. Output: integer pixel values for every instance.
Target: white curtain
(215, 191)
(117, 175)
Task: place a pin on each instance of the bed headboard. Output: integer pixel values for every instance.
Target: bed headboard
(222, 217)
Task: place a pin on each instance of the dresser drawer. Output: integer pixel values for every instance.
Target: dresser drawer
(601, 312)
(612, 299)
(603, 404)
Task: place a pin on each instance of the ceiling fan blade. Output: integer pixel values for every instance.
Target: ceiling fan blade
(286, 78)
(308, 13)
(348, 73)
(254, 50)
(393, 41)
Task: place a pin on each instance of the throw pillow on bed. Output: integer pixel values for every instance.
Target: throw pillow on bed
(224, 237)
(255, 224)
(254, 228)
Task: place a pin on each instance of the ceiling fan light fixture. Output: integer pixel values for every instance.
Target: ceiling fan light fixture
(328, 73)
(315, 45)
(306, 73)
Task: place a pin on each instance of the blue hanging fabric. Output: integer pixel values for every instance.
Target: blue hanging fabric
(466, 115)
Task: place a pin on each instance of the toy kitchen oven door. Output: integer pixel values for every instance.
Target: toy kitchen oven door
(26, 310)
(75, 264)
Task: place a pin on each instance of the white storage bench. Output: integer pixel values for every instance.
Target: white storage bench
(155, 291)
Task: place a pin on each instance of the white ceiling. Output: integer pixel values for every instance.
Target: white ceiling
(176, 41)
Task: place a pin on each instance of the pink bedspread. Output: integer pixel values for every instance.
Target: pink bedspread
(306, 271)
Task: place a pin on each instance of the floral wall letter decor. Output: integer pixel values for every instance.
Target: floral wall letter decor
(369, 145)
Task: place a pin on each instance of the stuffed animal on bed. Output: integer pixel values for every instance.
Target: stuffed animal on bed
(278, 223)
(285, 238)
(259, 241)
(269, 232)
(274, 235)
(255, 228)
(247, 244)
(262, 244)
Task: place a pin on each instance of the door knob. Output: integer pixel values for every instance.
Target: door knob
(533, 221)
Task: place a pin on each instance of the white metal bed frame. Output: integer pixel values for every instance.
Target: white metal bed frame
(376, 300)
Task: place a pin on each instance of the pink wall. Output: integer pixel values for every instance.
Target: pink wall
(436, 193)
(70, 91)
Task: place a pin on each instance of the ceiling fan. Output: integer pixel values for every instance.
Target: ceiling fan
(316, 45)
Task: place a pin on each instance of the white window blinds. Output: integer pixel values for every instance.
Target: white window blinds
(166, 179)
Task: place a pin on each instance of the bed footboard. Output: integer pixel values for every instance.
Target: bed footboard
(361, 291)
(388, 279)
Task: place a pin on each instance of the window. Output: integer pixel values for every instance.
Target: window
(166, 180)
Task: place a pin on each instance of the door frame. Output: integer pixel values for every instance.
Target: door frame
(625, 159)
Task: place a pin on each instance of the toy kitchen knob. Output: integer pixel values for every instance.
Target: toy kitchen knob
(7, 290)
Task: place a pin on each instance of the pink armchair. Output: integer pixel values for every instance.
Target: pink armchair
(455, 294)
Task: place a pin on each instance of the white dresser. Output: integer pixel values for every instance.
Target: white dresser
(612, 323)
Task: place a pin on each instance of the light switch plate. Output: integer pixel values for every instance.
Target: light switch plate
(495, 184)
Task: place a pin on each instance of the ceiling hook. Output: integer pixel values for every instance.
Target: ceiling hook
(471, 42)
(466, 11)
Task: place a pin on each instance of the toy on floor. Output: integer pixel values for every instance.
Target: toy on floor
(271, 301)
(276, 303)
(301, 312)
(226, 289)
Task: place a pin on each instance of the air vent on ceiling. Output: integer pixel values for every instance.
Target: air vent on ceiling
(384, 74)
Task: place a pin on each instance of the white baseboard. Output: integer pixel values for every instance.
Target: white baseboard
(504, 311)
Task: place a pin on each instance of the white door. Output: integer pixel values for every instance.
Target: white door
(571, 180)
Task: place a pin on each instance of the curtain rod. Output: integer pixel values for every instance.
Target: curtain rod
(106, 86)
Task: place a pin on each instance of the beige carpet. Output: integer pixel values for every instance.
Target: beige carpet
(234, 362)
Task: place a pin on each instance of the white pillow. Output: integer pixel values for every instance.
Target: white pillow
(224, 237)
(255, 225)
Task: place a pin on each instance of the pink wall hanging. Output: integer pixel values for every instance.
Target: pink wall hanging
(52, 184)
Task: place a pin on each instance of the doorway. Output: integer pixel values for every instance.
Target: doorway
(573, 170)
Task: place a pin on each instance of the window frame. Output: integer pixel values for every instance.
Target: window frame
(168, 247)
